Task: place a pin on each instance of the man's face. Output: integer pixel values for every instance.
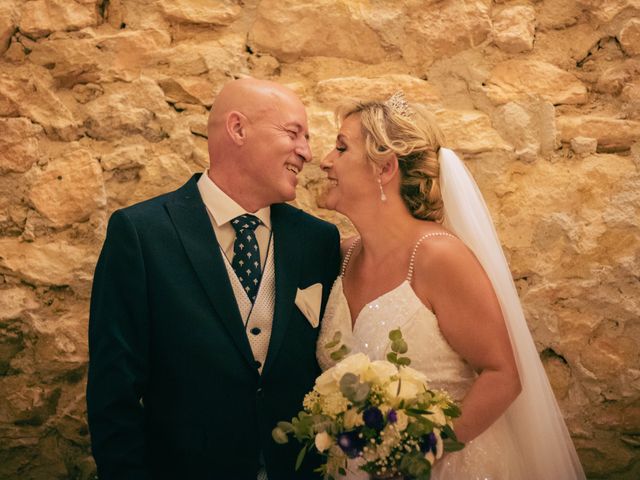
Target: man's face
(276, 149)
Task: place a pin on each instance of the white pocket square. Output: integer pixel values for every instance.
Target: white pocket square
(308, 301)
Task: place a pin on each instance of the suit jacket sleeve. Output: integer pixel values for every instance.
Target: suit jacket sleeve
(118, 351)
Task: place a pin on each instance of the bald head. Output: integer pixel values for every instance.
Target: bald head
(258, 142)
(250, 96)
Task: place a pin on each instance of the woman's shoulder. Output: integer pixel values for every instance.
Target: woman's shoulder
(439, 251)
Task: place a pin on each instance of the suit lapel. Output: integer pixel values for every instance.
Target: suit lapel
(190, 218)
(287, 257)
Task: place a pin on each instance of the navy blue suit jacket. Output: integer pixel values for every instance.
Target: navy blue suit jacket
(173, 390)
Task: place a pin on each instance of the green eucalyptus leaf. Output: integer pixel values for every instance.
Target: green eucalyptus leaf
(404, 361)
(361, 393)
(400, 346)
(395, 335)
(392, 357)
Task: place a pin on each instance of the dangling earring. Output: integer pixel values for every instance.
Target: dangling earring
(383, 197)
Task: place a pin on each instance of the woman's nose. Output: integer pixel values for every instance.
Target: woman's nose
(327, 162)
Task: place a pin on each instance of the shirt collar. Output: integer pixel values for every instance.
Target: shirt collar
(222, 207)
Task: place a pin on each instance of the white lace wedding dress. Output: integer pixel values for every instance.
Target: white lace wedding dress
(491, 455)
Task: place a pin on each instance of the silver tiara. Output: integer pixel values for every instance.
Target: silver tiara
(398, 104)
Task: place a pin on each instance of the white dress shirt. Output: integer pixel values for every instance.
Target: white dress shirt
(222, 209)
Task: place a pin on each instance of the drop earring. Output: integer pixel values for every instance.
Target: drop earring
(383, 197)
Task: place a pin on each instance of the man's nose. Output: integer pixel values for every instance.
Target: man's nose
(303, 150)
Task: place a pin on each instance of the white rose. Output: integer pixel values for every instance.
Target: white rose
(326, 383)
(380, 370)
(357, 364)
(413, 375)
(323, 441)
(407, 391)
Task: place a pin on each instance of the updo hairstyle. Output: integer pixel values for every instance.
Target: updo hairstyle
(415, 139)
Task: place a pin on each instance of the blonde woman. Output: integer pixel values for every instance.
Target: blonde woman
(427, 260)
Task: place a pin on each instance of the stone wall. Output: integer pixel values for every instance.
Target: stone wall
(104, 103)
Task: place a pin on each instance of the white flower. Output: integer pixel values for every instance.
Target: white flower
(352, 419)
(407, 391)
(402, 420)
(357, 364)
(380, 371)
(437, 416)
(411, 381)
(333, 404)
(326, 383)
(413, 375)
(323, 441)
(329, 381)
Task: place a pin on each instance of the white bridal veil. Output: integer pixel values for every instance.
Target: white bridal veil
(535, 418)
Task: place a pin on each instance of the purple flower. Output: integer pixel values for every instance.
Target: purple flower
(392, 416)
(350, 443)
(429, 443)
(373, 418)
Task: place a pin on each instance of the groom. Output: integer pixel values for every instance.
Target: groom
(198, 341)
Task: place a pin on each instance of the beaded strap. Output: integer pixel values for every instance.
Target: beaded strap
(412, 260)
(347, 257)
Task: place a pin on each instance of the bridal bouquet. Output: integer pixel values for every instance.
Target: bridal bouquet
(381, 412)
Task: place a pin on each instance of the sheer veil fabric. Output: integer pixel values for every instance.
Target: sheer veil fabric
(535, 419)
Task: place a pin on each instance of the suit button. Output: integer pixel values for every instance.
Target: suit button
(255, 330)
(259, 392)
(258, 364)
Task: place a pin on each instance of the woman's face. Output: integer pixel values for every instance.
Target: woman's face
(352, 180)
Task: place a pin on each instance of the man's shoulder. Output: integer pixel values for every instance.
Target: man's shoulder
(307, 219)
(155, 207)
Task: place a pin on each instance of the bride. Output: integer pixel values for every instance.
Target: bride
(427, 260)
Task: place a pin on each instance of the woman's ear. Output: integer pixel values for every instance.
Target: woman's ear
(236, 127)
(389, 169)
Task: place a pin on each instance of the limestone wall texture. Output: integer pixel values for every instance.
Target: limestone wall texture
(104, 103)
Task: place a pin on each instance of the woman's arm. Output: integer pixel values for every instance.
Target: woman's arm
(450, 279)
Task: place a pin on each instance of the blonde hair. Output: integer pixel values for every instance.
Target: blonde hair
(415, 140)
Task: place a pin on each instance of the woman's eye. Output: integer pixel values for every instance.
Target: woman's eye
(341, 149)
(292, 133)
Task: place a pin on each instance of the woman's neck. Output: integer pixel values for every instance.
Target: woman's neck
(386, 228)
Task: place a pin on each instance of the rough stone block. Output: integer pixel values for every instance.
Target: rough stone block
(514, 80)
(584, 145)
(18, 144)
(68, 189)
(514, 28)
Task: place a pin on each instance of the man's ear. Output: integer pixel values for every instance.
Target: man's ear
(388, 169)
(236, 127)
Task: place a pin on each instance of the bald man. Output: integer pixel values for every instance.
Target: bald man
(205, 306)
